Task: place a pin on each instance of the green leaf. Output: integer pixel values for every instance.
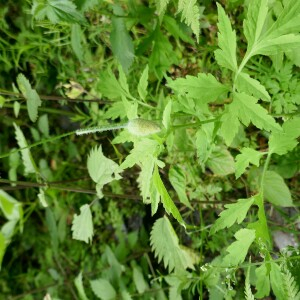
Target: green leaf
(161, 6)
(143, 84)
(221, 162)
(82, 225)
(121, 42)
(139, 280)
(57, 11)
(237, 251)
(291, 288)
(205, 88)
(250, 86)
(76, 41)
(234, 213)
(29, 164)
(178, 181)
(204, 142)
(254, 23)
(101, 169)
(109, 86)
(32, 97)
(226, 55)
(276, 191)
(247, 156)
(281, 143)
(262, 281)
(11, 208)
(79, 286)
(164, 242)
(103, 289)
(167, 115)
(2, 247)
(43, 125)
(276, 277)
(190, 14)
(165, 197)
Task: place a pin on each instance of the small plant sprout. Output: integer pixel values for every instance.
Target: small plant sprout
(138, 127)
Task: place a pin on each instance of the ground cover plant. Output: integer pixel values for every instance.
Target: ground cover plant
(149, 149)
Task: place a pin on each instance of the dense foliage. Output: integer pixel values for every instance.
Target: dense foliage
(185, 183)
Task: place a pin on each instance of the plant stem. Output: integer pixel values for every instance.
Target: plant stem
(194, 124)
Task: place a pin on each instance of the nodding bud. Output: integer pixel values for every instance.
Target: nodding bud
(141, 127)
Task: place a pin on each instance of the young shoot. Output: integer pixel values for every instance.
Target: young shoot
(138, 127)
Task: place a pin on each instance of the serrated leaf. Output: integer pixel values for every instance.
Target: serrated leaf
(178, 181)
(102, 169)
(58, 11)
(143, 84)
(234, 213)
(221, 162)
(33, 100)
(262, 281)
(121, 41)
(247, 156)
(226, 55)
(249, 111)
(103, 289)
(79, 286)
(165, 197)
(245, 83)
(275, 277)
(161, 6)
(190, 14)
(205, 88)
(276, 191)
(164, 242)
(281, 143)
(82, 225)
(238, 250)
(27, 158)
(254, 23)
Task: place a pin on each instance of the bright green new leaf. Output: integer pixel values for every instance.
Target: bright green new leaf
(238, 250)
(247, 156)
(165, 244)
(57, 11)
(29, 164)
(254, 23)
(103, 289)
(190, 14)
(221, 162)
(250, 86)
(82, 225)
(281, 143)
(121, 42)
(276, 277)
(167, 115)
(11, 208)
(204, 143)
(276, 191)
(102, 169)
(165, 197)
(234, 213)
(143, 84)
(161, 6)
(2, 247)
(226, 55)
(33, 100)
(178, 181)
(205, 88)
(262, 281)
(79, 286)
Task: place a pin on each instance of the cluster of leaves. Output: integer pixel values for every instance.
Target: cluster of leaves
(228, 109)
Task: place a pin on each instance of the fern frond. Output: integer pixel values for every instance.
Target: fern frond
(248, 292)
(162, 5)
(290, 286)
(190, 14)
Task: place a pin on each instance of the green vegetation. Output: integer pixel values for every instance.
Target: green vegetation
(188, 174)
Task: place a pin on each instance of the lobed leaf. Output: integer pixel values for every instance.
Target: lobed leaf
(234, 213)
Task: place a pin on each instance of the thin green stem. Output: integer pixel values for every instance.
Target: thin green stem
(188, 125)
(266, 165)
